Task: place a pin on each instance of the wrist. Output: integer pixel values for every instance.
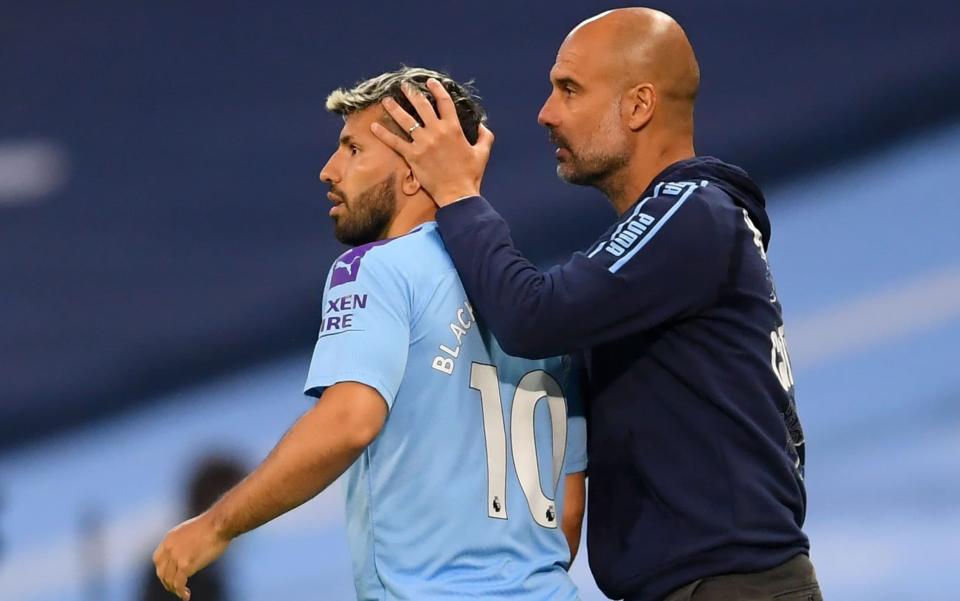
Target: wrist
(449, 197)
(218, 524)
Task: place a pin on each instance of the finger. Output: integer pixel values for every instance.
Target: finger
(180, 584)
(421, 104)
(485, 139)
(159, 563)
(166, 571)
(402, 118)
(159, 571)
(395, 142)
(448, 110)
(165, 581)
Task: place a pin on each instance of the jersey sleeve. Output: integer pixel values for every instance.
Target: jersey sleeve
(575, 457)
(365, 328)
(664, 258)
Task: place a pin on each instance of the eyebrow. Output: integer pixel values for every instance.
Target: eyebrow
(346, 140)
(566, 80)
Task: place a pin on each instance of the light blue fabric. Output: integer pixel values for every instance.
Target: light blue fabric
(450, 501)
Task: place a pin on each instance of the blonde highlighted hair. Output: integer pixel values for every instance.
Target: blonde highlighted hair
(369, 92)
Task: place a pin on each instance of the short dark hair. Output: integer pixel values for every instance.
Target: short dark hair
(371, 91)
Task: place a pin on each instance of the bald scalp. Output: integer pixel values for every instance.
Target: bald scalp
(642, 45)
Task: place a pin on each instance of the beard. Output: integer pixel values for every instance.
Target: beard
(597, 158)
(367, 217)
(589, 168)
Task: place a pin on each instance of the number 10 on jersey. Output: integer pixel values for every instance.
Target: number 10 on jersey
(533, 387)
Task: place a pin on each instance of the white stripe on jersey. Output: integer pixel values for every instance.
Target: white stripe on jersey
(649, 236)
(623, 224)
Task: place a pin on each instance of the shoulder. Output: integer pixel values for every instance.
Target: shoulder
(691, 201)
(419, 255)
(402, 260)
(701, 212)
(689, 213)
(359, 264)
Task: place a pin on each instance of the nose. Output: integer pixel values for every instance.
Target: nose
(547, 116)
(329, 174)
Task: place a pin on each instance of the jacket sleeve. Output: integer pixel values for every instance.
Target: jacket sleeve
(664, 259)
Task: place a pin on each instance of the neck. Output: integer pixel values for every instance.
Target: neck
(624, 187)
(414, 212)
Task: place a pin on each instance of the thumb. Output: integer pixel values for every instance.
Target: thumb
(485, 139)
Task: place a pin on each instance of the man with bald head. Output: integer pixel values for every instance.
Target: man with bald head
(696, 452)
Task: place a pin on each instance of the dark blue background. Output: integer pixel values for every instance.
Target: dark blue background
(191, 237)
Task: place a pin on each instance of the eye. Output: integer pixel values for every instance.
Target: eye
(354, 149)
(568, 91)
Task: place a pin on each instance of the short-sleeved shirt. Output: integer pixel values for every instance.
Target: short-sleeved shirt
(460, 495)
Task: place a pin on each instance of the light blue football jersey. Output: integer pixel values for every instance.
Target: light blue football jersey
(460, 496)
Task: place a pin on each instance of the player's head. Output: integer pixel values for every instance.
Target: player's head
(369, 182)
(621, 82)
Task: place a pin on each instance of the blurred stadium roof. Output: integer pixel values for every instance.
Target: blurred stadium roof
(160, 217)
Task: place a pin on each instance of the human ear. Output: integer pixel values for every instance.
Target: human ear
(640, 102)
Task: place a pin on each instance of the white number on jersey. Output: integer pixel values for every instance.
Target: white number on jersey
(534, 386)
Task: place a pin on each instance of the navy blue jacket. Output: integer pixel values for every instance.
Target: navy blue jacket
(695, 449)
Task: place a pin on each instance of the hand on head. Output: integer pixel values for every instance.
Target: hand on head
(443, 160)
